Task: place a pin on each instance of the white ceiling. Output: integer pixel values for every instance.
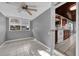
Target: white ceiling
(58, 4)
(10, 9)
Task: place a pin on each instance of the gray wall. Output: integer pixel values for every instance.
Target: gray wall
(11, 35)
(2, 28)
(41, 27)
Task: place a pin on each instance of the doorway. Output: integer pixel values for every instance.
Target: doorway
(65, 33)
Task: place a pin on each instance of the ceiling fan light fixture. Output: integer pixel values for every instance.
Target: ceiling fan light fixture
(73, 7)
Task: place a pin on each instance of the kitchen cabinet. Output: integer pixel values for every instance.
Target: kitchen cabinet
(61, 35)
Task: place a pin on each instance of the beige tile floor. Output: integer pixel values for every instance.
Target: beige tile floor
(26, 47)
(67, 47)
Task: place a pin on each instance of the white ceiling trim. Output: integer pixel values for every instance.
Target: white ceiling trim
(60, 4)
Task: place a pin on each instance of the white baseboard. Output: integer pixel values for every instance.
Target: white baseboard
(14, 40)
(23, 39)
(17, 39)
(43, 44)
(57, 53)
(2, 44)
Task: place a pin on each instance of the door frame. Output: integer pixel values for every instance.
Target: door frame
(77, 28)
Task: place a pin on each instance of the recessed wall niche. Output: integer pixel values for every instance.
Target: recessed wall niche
(17, 24)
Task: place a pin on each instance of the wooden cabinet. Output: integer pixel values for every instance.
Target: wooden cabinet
(66, 34)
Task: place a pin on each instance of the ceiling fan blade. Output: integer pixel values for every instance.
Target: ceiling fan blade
(32, 9)
(7, 2)
(32, 6)
(29, 12)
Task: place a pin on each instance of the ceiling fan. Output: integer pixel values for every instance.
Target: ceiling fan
(27, 8)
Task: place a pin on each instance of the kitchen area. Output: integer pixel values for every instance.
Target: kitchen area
(65, 33)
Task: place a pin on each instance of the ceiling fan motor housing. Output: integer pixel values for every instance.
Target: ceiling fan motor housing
(25, 7)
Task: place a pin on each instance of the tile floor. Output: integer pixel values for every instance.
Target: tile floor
(28, 47)
(67, 47)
